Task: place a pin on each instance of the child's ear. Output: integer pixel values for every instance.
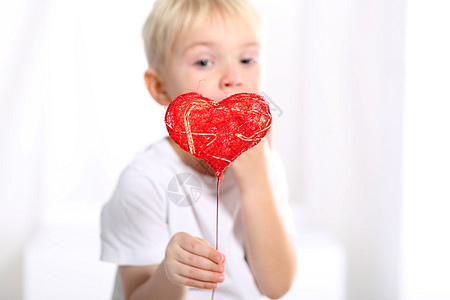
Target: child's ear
(155, 86)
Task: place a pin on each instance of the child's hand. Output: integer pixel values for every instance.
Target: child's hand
(191, 261)
(251, 168)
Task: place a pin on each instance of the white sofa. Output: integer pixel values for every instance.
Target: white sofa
(62, 262)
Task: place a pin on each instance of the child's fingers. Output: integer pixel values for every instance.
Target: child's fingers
(184, 274)
(189, 273)
(200, 275)
(191, 261)
(195, 283)
(198, 247)
(200, 262)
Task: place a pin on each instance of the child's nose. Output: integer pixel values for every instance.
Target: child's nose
(231, 76)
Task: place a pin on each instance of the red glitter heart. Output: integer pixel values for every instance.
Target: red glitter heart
(218, 132)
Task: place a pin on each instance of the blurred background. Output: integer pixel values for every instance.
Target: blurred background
(362, 91)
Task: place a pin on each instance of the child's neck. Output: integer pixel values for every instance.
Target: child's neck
(197, 164)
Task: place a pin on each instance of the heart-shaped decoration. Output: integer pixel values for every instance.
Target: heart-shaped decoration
(218, 132)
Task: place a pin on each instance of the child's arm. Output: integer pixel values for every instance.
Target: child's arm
(269, 249)
(189, 261)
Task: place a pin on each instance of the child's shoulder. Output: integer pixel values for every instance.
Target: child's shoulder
(152, 162)
(158, 152)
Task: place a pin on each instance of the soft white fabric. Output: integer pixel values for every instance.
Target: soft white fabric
(140, 218)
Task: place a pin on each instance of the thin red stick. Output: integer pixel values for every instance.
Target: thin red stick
(217, 227)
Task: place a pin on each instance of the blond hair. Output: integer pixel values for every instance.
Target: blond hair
(170, 19)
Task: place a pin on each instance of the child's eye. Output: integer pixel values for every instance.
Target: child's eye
(247, 61)
(203, 63)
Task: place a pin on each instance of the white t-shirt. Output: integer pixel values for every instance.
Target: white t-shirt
(158, 195)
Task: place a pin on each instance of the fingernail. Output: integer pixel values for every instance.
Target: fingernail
(221, 278)
(219, 258)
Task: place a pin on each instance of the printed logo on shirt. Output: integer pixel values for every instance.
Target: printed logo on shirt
(184, 189)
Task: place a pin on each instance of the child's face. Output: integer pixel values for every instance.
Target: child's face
(217, 59)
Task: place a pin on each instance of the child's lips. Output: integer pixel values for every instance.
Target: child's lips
(221, 97)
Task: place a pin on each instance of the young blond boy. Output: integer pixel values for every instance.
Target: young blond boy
(163, 250)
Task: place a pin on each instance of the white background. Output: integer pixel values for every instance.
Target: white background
(364, 133)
